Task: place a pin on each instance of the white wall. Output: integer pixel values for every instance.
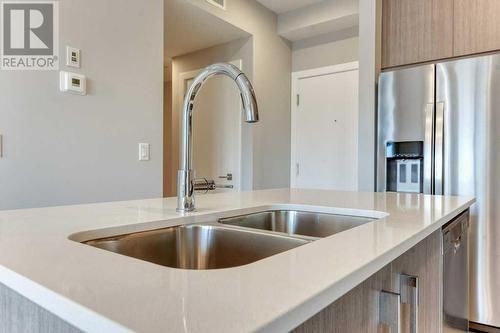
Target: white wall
(168, 167)
(369, 68)
(306, 56)
(272, 82)
(235, 50)
(64, 149)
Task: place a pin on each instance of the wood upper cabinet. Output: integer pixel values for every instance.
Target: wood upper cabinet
(416, 31)
(476, 26)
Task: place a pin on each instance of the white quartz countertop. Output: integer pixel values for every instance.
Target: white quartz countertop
(100, 291)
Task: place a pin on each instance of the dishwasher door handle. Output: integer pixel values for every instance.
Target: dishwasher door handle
(456, 244)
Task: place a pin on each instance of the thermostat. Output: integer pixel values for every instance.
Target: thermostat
(73, 83)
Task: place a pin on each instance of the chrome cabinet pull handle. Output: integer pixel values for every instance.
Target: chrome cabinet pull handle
(399, 312)
(389, 312)
(409, 300)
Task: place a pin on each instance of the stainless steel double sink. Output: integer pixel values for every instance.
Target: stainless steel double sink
(229, 242)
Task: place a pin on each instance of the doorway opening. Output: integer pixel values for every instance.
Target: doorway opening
(194, 39)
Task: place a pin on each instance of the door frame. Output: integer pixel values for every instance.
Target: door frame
(185, 76)
(296, 77)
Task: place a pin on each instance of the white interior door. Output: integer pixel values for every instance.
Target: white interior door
(325, 130)
(217, 130)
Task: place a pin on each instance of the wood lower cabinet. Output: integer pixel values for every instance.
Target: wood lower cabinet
(20, 315)
(416, 31)
(476, 26)
(425, 262)
(359, 310)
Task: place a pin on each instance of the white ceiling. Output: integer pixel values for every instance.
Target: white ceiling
(283, 6)
(333, 26)
(189, 28)
(327, 16)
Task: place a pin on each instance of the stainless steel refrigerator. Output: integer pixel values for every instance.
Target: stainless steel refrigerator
(439, 133)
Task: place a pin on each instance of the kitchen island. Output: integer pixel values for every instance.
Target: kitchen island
(92, 290)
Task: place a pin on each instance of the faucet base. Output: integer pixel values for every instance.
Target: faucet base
(185, 195)
(185, 210)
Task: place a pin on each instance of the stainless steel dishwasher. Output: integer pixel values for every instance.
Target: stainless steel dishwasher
(456, 275)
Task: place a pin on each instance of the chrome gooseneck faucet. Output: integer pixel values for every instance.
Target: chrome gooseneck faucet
(186, 184)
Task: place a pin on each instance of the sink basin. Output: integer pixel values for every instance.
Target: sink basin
(297, 222)
(198, 246)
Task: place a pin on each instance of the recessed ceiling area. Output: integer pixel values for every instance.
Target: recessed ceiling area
(189, 28)
(283, 6)
(306, 19)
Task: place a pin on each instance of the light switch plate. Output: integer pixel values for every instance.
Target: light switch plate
(144, 151)
(73, 57)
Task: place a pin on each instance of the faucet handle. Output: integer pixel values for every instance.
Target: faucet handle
(205, 185)
(224, 186)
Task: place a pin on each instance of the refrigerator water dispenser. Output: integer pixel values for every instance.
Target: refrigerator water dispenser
(405, 166)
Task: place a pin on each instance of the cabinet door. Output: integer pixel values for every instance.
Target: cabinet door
(424, 262)
(359, 310)
(416, 31)
(476, 26)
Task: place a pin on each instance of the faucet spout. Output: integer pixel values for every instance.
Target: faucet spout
(250, 108)
(185, 181)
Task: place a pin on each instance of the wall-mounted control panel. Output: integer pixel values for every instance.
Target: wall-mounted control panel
(73, 83)
(73, 56)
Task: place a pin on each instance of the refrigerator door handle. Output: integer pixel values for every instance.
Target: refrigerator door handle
(428, 148)
(439, 150)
